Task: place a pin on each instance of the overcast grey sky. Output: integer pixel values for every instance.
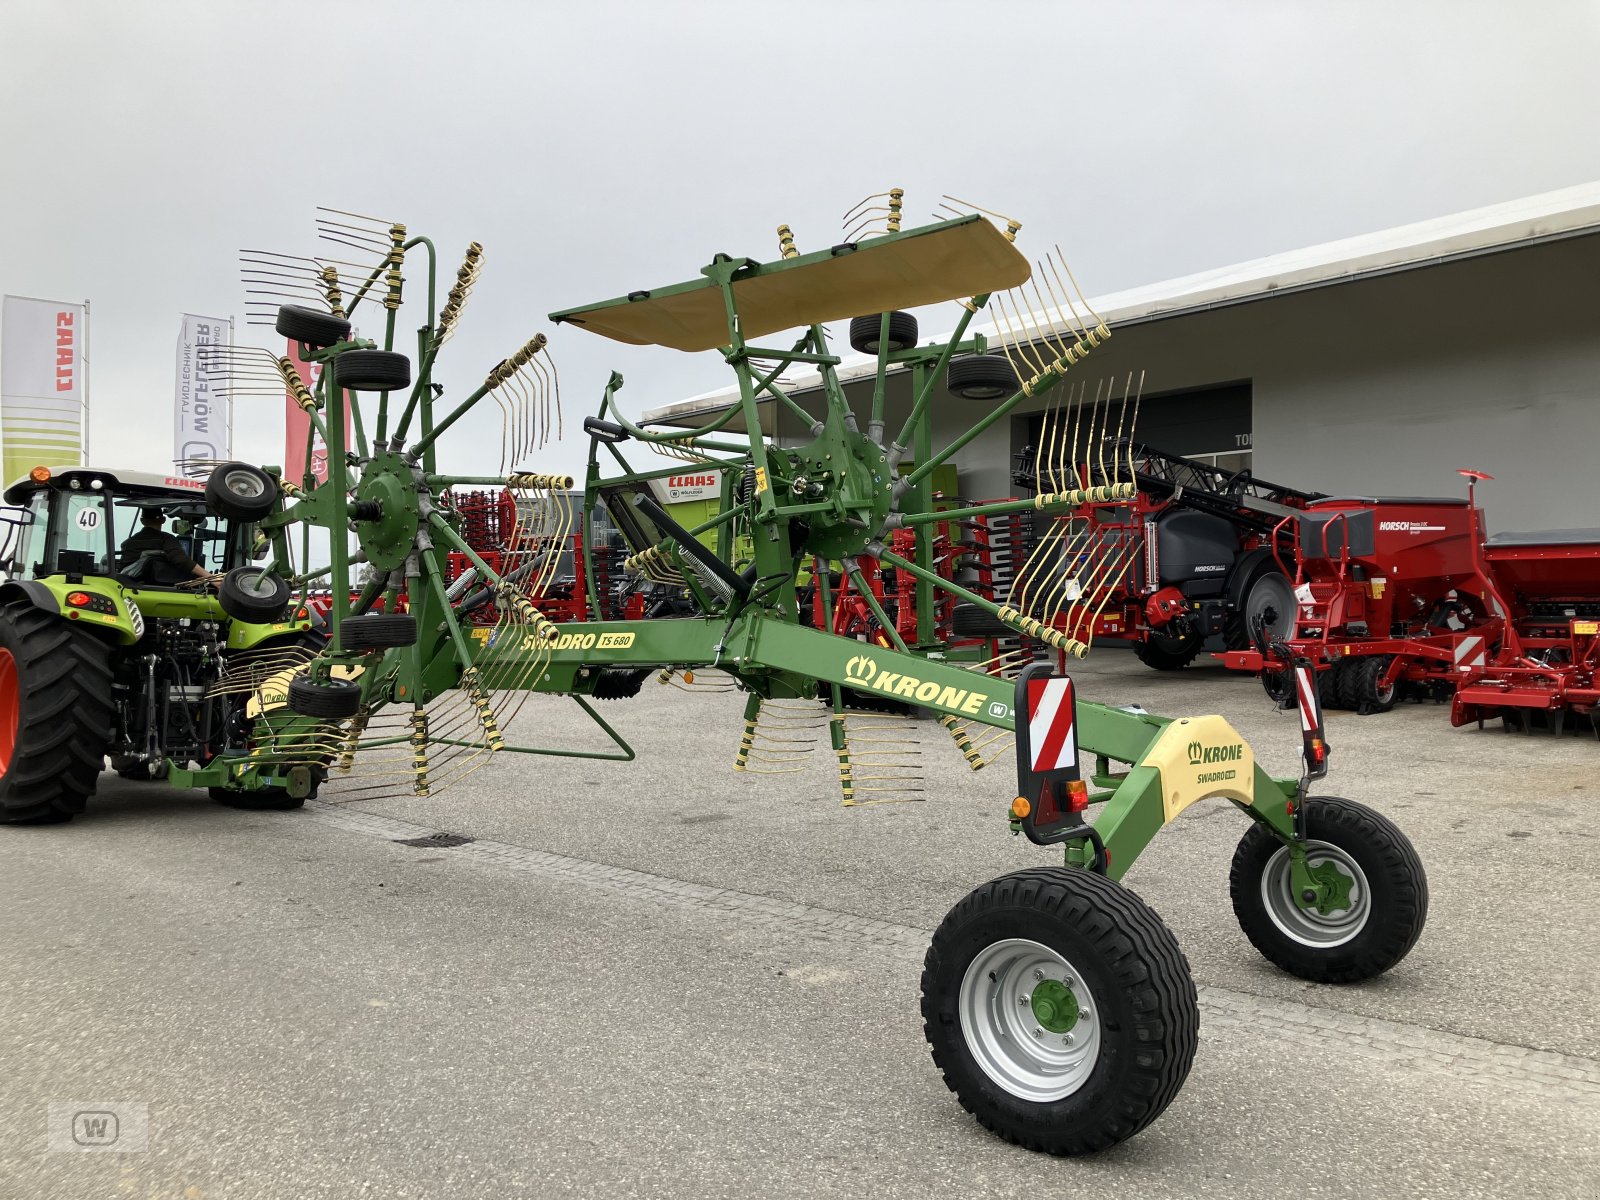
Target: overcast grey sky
(596, 148)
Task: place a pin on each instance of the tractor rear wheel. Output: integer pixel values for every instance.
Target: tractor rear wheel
(55, 716)
(1169, 652)
(1059, 1009)
(1379, 898)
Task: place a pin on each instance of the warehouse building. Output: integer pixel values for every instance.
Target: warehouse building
(1376, 364)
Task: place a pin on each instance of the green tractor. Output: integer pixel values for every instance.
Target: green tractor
(134, 626)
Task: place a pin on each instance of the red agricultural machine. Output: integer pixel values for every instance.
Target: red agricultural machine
(1194, 553)
(1406, 595)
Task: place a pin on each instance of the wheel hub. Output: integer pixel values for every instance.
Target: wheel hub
(1333, 887)
(852, 471)
(389, 483)
(1054, 1006)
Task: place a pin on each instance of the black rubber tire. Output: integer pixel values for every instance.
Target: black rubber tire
(1278, 683)
(372, 370)
(1365, 674)
(982, 377)
(310, 325)
(1266, 587)
(864, 332)
(968, 620)
(336, 699)
(1169, 653)
(1132, 965)
(1347, 674)
(378, 631)
(1397, 893)
(254, 595)
(239, 492)
(64, 709)
(1328, 686)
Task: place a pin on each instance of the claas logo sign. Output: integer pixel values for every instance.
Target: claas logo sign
(696, 485)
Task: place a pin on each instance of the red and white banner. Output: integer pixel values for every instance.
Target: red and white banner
(297, 426)
(202, 428)
(1052, 740)
(43, 384)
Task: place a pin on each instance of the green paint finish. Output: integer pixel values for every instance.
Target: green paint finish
(1333, 887)
(388, 482)
(1055, 1006)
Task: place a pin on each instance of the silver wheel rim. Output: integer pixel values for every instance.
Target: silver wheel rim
(1307, 926)
(1003, 1031)
(242, 484)
(1271, 590)
(258, 584)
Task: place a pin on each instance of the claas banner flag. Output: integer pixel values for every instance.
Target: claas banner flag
(43, 384)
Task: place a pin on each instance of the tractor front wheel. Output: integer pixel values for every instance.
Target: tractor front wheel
(1376, 901)
(1060, 1009)
(55, 716)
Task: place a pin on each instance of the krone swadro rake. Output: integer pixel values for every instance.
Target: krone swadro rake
(1058, 1006)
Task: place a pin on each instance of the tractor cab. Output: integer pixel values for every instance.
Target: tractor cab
(69, 524)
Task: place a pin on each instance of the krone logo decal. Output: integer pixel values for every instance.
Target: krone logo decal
(861, 668)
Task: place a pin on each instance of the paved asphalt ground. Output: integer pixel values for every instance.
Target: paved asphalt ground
(665, 979)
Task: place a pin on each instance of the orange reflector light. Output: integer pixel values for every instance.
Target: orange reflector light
(1020, 807)
(1077, 795)
(40, 474)
(78, 599)
(688, 676)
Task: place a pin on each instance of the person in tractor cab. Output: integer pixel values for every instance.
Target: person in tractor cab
(171, 564)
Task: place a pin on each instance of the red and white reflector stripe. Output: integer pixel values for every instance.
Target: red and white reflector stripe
(1305, 690)
(1052, 741)
(1470, 653)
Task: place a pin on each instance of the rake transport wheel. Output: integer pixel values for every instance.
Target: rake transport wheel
(378, 631)
(311, 326)
(253, 594)
(982, 377)
(240, 492)
(333, 699)
(1060, 1009)
(866, 331)
(1169, 652)
(1374, 916)
(55, 716)
(372, 370)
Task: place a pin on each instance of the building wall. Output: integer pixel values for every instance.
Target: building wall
(1381, 386)
(1388, 385)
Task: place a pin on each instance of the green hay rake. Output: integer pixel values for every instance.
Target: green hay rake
(1058, 1006)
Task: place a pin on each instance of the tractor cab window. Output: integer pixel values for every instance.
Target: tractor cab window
(201, 537)
(22, 537)
(81, 533)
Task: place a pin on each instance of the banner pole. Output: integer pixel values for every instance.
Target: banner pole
(83, 355)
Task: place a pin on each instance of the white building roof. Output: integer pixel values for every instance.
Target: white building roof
(1566, 212)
